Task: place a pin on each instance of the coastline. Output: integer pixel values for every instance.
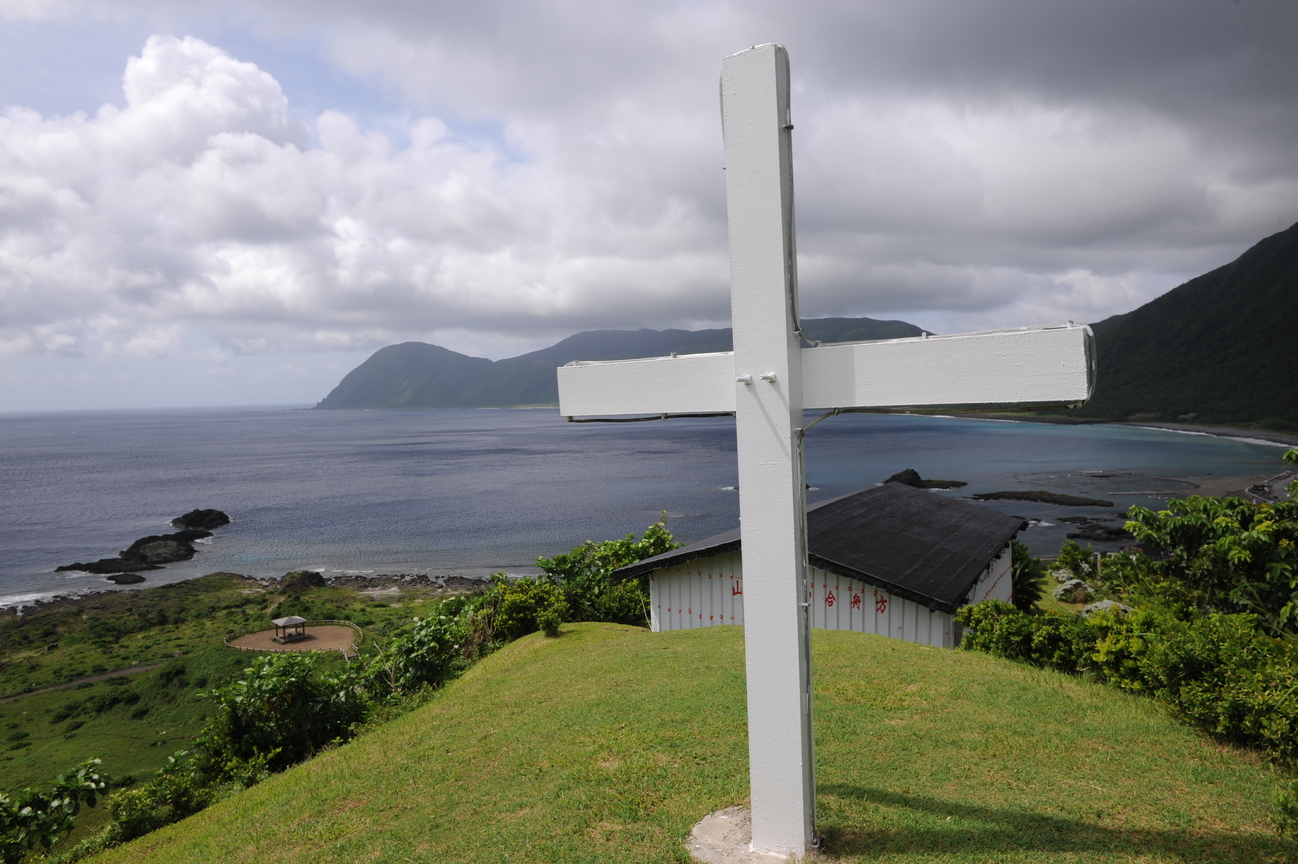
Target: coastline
(1238, 433)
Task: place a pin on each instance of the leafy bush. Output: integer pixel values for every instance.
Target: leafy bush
(36, 820)
(1228, 554)
(283, 710)
(1075, 559)
(584, 574)
(431, 653)
(549, 622)
(522, 602)
(1029, 576)
(1285, 816)
(174, 793)
(1218, 671)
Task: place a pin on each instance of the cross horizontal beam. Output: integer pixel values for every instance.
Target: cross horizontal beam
(1032, 366)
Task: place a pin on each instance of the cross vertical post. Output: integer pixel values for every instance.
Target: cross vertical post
(756, 126)
(767, 382)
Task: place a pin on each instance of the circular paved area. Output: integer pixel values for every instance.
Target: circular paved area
(327, 637)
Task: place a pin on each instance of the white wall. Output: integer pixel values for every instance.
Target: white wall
(996, 582)
(709, 592)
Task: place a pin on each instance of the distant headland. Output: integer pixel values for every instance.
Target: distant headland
(1219, 353)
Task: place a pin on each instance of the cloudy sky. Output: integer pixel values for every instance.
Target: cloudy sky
(236, 207)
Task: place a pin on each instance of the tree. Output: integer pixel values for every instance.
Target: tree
(1233, 555)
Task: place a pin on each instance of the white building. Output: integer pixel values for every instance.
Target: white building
(891, 560)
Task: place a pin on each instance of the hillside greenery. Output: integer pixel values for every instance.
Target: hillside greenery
(1222, 349)
(133, 722)
(608, 743)
(284, 707)
(418, 375)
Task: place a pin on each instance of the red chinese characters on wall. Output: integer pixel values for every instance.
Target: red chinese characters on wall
(880, 602)
(830, 600)
(856, 600)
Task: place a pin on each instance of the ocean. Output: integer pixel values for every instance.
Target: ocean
(471, 492)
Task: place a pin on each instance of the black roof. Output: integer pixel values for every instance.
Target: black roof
(915, 544)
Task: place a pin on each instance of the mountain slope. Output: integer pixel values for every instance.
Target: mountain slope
(1220, 349)
(418, 375)
(606, 745)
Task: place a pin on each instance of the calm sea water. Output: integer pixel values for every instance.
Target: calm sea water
(475, 491)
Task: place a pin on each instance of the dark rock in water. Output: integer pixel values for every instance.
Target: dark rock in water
(126, 578)
(108, 565)
(147, 553)
(1041, 496)
(1093, 529)
(301, 580)
(1100, 534)
(165, 548)
(202, 519)
(910, 477)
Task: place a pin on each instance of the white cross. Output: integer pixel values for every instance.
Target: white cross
(767, 381)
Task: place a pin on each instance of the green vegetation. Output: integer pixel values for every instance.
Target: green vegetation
(1220, 349)
(1029, 577)
(583, 574)
(286, 707)
(132, 722)
(607, 744)
(33, 821)
(1209, 628)
(418, 375)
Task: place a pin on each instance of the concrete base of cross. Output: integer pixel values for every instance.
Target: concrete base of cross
(724, 837)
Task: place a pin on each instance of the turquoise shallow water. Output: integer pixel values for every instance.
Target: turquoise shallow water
(476, 491)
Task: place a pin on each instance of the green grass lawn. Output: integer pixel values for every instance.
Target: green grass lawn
(607, 744)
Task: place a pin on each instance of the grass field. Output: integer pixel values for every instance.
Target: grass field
(134, 722)
(607, 744)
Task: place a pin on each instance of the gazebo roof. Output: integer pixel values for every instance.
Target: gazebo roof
(290, 621)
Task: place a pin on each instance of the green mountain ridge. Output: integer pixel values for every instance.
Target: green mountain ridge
(419, 375)
(1219, 350)
(1222, 349)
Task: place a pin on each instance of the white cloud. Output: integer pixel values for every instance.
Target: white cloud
(558, 169)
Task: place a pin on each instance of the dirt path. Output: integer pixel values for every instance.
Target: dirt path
(129, 670)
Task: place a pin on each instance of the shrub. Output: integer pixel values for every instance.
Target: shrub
(549, 622)
(283, 710)
(1075, 559)
(174, 793)
(1285, 816)
(1029, 576)
(1232, 555)
(431, 653)
(521, 604)
(36, 820)
(584, 574)
(1218, 671)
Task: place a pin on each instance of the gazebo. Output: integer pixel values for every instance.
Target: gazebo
(289, 629)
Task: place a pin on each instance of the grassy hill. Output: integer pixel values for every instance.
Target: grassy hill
(1220, 349)
(607, 744)
(418, 375)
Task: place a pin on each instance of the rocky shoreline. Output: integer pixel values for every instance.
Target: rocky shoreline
(1041, 496)
(152, 552)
